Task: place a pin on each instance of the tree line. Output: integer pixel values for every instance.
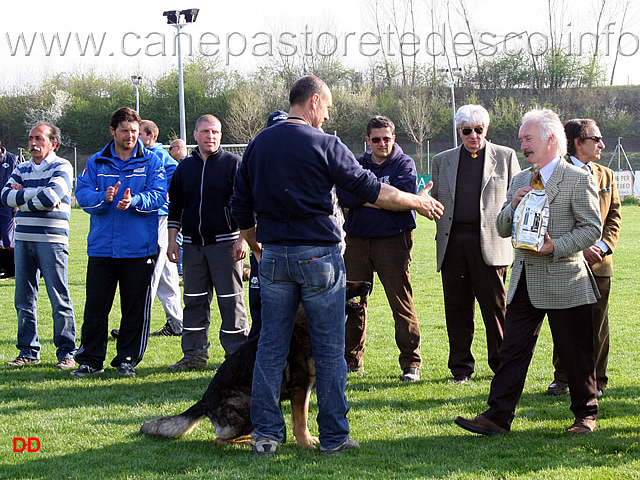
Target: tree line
(414, 97)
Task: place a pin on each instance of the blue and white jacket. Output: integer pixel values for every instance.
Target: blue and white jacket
(170, 165)
(44, 202)
(131, 233)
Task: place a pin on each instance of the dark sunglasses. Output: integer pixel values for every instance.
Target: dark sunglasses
(381, 139)
(478, 130)
(595, 138)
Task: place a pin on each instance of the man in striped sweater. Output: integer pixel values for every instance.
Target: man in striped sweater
(41, 190)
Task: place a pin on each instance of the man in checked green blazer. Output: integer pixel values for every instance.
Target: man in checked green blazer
(554, 281)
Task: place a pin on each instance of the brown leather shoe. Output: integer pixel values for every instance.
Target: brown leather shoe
(582, 426)
(481, 425)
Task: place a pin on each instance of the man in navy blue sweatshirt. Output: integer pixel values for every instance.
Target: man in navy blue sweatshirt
(381, 241)
(283, 205)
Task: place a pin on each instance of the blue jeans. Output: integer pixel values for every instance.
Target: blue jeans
(34, 259)
(315, 276)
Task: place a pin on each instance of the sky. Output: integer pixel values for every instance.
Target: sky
(132, 38)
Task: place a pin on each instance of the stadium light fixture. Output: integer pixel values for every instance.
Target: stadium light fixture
(179, 19)
(451, 76)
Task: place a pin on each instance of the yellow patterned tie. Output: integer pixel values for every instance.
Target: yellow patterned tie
(536, 183)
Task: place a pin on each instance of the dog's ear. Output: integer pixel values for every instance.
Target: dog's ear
(358, 289)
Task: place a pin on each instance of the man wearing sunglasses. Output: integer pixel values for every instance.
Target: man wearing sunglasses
(381, 241)
(584, 146)
(472, 181)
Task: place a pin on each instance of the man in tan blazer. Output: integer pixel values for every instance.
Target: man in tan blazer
(584, 146)
(554, 281)
(471, 181)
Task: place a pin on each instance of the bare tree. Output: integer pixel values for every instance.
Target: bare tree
(625, 11)
(465, 16)
(556, 13)
(418, 113)
(247, 112)
(592, 74)
(377, 11)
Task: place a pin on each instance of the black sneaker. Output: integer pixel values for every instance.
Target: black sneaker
(115, 333)
(126, 370)
(166, 331)
(348, 444)
(85, 370)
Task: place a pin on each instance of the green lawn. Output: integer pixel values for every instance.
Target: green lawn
(88, 428)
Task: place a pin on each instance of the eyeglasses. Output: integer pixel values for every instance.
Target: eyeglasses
(595, 138)
(381, 139)
(478, 130)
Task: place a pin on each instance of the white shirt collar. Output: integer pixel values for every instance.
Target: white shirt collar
(46, 161)
(578, 163)
(547, 170)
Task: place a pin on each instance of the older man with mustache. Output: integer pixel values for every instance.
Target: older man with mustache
(41, 190)
(554, 282)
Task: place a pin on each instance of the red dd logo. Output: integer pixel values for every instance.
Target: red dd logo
(31, 444)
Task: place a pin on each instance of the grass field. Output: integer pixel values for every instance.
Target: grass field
(88, 428)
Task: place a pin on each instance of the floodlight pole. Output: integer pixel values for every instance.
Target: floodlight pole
(179, 19)
(451, 77)
(183, 125)
(135, 80)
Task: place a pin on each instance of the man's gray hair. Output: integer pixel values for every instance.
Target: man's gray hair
(549, 123)
(55, 136)
(472, 115)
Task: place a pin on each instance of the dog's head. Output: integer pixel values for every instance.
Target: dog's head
(357, 293)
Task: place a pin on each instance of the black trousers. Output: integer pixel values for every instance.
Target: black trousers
(600, 336)
(104, 274)
(572, 333)
(465, 278)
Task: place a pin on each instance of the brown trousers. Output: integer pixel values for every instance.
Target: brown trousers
(390, 257)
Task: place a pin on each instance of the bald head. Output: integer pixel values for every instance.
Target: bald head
(178, 149)
(310, 99)
(304, 88)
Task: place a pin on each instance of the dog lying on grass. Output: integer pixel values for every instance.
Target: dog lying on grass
(227, 401)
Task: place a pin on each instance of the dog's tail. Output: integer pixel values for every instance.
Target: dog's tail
(177, 425)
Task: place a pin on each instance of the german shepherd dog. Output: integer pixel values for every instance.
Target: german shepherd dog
(227, 401)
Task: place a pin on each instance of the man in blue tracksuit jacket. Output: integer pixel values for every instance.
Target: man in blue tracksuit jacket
(122, 187)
